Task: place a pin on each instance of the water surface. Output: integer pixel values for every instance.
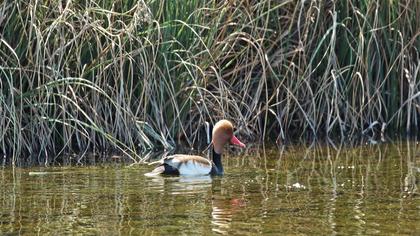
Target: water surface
(371, 189)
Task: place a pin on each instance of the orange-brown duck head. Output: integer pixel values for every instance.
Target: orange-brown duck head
(223, 134)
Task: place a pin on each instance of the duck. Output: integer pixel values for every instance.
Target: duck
(192, 165)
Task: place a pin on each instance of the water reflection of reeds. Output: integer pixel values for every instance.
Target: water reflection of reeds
(347, 186)
(320, 190)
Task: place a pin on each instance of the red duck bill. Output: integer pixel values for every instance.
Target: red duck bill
(234, 140)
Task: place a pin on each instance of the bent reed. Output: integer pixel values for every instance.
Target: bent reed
(94, 76)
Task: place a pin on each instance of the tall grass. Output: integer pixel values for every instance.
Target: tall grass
(95, 76)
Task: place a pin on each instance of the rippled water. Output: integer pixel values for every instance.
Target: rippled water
(293, 190)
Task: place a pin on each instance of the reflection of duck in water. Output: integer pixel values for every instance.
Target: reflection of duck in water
(223, 209)
(181, 164)
(180, 185)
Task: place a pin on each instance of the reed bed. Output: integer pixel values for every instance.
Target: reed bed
(130, 76)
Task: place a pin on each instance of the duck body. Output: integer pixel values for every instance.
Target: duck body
(192, 165)
(189, 165)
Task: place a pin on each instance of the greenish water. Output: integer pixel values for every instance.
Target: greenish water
(294, 190)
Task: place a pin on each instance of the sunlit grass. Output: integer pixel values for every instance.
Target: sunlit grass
(130, 76)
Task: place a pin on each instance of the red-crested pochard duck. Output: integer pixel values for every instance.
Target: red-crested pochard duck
(181, 164)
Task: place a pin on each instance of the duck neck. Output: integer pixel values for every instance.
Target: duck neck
(217, 168)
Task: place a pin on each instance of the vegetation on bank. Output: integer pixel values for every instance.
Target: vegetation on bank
(91, 76)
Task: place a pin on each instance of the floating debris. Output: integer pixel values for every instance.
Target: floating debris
(35, 173)
(296, 186)
(345, 167)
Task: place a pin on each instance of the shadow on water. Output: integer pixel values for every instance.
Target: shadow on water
(293, 190)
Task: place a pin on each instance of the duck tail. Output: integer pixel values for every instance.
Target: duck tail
(156, 172)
